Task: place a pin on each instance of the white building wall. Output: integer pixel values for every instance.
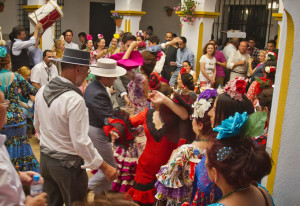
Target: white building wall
(157, 17)
(287, 188)
(9, 17)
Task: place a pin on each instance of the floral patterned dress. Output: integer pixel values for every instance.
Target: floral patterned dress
(17, 143)
(174, 185)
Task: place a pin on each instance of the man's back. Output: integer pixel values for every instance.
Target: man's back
(228, 50)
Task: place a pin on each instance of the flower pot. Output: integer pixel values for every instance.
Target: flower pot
(1, 7)
(169, 12)
(118, 22)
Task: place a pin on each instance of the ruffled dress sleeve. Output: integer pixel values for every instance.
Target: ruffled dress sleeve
(173, 179)
(138, 119)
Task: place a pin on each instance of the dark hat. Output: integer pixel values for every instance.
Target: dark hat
(75, 56)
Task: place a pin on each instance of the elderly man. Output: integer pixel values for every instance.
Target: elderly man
(43, 72)
(238, 61)
(100, 107)
(61, 122)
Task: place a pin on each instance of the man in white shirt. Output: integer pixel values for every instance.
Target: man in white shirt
(227, 51)
(68, 39)
(43, 72)
(62, 124)
(238, 61)
(19, 47)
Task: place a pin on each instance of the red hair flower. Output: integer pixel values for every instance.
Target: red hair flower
(236, 88)
(154, 81)
(183, 71)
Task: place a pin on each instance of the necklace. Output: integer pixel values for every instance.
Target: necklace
(201, 140)
(233, 191)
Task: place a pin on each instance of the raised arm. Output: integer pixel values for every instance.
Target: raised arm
(160, 98)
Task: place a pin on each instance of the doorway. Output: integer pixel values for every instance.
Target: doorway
(101, 21)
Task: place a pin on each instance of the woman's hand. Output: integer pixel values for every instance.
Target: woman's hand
(114, 136)
(157, 97)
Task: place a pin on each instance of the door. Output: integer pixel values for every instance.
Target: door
(101, 21)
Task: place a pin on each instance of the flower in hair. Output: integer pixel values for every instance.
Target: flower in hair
(231, 126)
(89, 37)
(100, 36)
(270, 69)
(142, 44)
(155, 48)
(208, 93)
(203, 103)
(154, 81)
(3, 51)
(200, 107)
(139, 33)
(271, 55)
(236, 88)
(117, 36)
(183, 71)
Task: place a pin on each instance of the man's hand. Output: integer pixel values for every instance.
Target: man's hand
(173, 64)
(114, 136)
(39, 200)
(27, 177)
(243, 62)
(110, 172)
(127, 100)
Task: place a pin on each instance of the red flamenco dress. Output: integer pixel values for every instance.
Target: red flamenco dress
(156, 153)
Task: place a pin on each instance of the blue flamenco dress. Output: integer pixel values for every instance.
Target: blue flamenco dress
(17, 143)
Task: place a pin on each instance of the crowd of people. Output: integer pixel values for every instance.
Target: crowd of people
(152, 130)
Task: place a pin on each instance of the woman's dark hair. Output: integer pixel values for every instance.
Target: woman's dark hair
(270, 75)
(128, 37)
(187, 80)
(96, 43)
(227, 106)
(245, 163)
(15, 32)
(149, 62)
(204, 51)
(165, 89)
(265, 98)
(154, 39)
(186, 61)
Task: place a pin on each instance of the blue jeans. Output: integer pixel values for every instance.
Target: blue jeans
(174, 76)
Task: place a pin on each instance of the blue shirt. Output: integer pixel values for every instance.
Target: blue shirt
(184, 55)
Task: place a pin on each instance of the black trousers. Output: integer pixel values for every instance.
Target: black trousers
(62, 184)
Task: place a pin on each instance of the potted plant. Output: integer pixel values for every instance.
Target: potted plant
(187, 9)
(169, 10)
(2, 5)
(117, 18)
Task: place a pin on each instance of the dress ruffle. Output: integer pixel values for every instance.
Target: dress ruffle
(181, 192)
(144, 197)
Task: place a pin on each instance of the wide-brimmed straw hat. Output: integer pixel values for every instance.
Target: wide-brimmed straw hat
(107, 68)
(74, 56)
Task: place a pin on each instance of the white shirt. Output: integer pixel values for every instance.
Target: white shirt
(228, 50)
(64, 126)
(209, 67)
(42, 74)
(72, 45)
(19, 44)
(242, 69)
(11, 189)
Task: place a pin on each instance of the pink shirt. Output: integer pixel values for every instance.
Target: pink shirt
(220, 58)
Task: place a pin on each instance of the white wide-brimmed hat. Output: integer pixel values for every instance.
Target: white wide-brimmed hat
(107, 68)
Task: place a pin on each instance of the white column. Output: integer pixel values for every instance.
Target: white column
(131, 10)
(199, 32)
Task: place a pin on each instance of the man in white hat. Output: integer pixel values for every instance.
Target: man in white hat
(61, 122)
(100, 107)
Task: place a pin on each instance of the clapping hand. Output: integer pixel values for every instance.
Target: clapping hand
(114, 135)
(157, 97)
